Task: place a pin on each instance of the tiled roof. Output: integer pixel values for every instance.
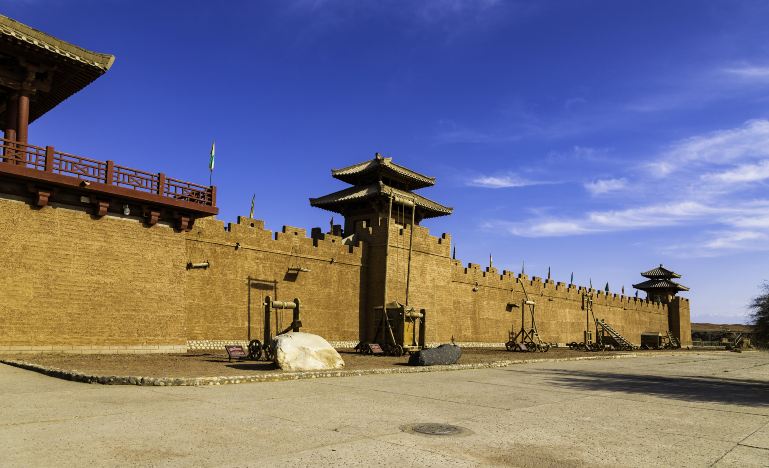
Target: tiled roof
(10, 28)
(660, 272)
(363, 172)
(337, 200)
(74, 67)
(660, 284)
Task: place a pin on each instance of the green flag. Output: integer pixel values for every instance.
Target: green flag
(211, 158)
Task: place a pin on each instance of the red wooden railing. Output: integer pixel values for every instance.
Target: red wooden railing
(105, 172)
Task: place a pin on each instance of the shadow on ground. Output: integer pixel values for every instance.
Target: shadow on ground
(696, 389)
(254, 365)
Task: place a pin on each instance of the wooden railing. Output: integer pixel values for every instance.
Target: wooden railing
(105, 172)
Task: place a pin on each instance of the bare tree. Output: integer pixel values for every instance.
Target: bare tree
(759, 316)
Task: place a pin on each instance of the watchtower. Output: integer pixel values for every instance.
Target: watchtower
(660, 286)
(382, 210)
(381, 190)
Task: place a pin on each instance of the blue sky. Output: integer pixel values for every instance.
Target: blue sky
(595, 137)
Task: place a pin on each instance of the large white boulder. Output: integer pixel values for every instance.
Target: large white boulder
(297, 351)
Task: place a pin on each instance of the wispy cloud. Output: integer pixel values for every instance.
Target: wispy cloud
(749, 72)
(708, 183)
(647, 217)
(750, 141)
(603, 186)
(463, 14)
(502, 181)
(744, 173)
(733, 239)
(439, 10)
(718, 243)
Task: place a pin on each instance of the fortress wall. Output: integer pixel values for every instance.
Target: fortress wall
(219, 298)
(70, 281)
(470, 303)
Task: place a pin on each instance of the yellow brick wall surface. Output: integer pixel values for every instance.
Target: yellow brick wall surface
(219, 301)
(470, 303)
(70, 279)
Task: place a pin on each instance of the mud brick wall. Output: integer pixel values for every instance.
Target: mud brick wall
(69, 280)
(470, 303)
(72, 281)
(248, 263)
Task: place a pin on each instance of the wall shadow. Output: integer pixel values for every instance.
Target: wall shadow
(254, 366)
(694, 389)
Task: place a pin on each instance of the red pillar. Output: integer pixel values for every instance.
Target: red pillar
(23, 117)
(9, 130)
(11, 117)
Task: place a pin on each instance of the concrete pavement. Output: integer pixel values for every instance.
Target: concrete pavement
(708, 409)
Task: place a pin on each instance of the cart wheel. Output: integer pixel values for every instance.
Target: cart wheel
(269, 354)
(546, 347)
(397, 350)
(254, 349)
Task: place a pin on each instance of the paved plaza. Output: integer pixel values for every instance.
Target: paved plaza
(689, 409)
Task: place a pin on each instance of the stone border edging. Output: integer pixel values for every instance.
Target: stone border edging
(76, 376)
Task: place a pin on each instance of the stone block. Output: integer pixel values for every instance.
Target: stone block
(297, 351)
(443, 355)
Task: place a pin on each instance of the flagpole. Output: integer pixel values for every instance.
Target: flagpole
(211, 163)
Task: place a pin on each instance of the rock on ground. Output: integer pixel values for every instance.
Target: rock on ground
(442, 355)
(297, 351)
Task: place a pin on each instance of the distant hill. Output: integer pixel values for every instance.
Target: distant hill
(713, 327)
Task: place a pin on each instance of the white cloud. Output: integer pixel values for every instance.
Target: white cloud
(744, 173)
(718, 243)
(733, 240)
(602, 186)
(436, 10)
(749, 71)
(502, 181)
(647, 217)
(702, 185)
(749, 142)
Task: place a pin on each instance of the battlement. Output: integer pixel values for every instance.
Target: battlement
(251, 233)
(400, 237)
(490, 277)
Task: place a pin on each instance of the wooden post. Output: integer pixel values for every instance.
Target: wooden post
(49, 159)
(23, 117)
(11, 119)
(267, 332)
(161, 183)
(213, 195)
(109, 176)
(295, 321)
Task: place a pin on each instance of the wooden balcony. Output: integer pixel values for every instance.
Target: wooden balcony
(45, 167)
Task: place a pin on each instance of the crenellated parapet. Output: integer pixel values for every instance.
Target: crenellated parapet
(250, 234)
(478, 277)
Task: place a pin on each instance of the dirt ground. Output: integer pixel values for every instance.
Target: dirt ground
(211, 364)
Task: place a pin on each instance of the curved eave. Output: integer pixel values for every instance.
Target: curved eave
(370, 171)
(660, 285)
(338, 201)
(75, 67)
(660, 273)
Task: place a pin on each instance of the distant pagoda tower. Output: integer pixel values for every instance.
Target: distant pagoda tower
(660, 285)
(380, 189)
